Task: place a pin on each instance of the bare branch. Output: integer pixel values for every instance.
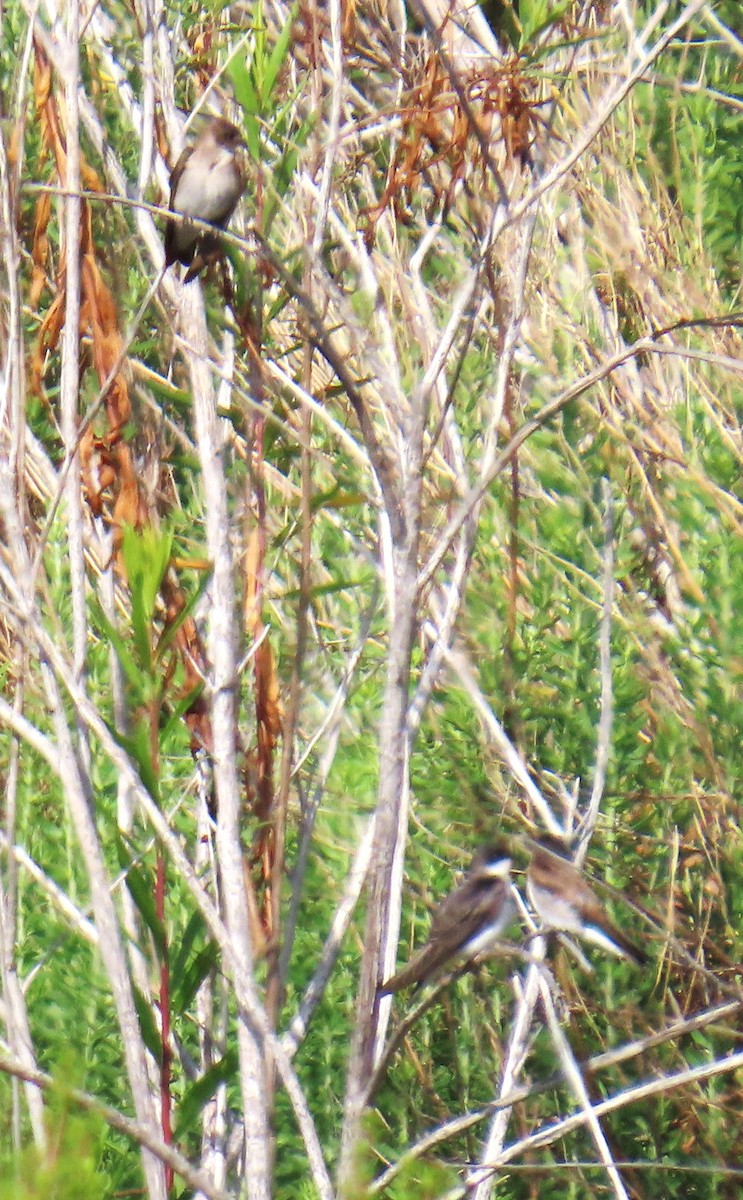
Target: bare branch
(141, 1134)
(573, 1076)
(588, 820)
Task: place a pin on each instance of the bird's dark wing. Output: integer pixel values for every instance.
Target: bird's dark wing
(628, 948)
(550, 869)
(594, 913)
(173, 251)
(597, 916)
(461, 916)
(475, 904)
(177, 171)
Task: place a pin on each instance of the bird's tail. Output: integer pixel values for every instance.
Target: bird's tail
(610, 938)
(410, 973)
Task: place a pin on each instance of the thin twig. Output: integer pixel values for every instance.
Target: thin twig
(451, 1129)
(603, 744)
(140, 1134)
(575, 1081)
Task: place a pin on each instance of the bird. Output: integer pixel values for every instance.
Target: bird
(206, 183)
(466, 921)
(565, 903)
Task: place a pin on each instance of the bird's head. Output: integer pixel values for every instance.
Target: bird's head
(492, 862)
(226, 134)
(554, 845)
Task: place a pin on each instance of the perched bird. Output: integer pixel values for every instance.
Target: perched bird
(466, 921)
(206, 183)
(564, 902)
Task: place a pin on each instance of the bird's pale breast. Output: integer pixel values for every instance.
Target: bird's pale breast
(201, 191)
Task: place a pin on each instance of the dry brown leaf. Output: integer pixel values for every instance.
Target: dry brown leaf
(268, 694)
(40, 247)
(90, 177)
(14, 145)
(130, 508)
(46, 341)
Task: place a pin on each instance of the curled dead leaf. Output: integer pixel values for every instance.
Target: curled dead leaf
(40, 247)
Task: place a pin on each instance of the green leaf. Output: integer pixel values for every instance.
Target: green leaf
(176, 714)
(171, 630)
(279, 53)
(248, 99)
(538, 15)
(278, 306)
(366, 582)
(285, 168)
(71, 1164)
(146, 554)
(138, 746)
(194, 975)
(196, 1096)
(194, 928)
(148, 1026)
(258, 62)
(140, 887)
(138, 679)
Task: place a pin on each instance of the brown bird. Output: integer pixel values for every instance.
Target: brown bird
(466, 921)
(564, 902)
(206, 183)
